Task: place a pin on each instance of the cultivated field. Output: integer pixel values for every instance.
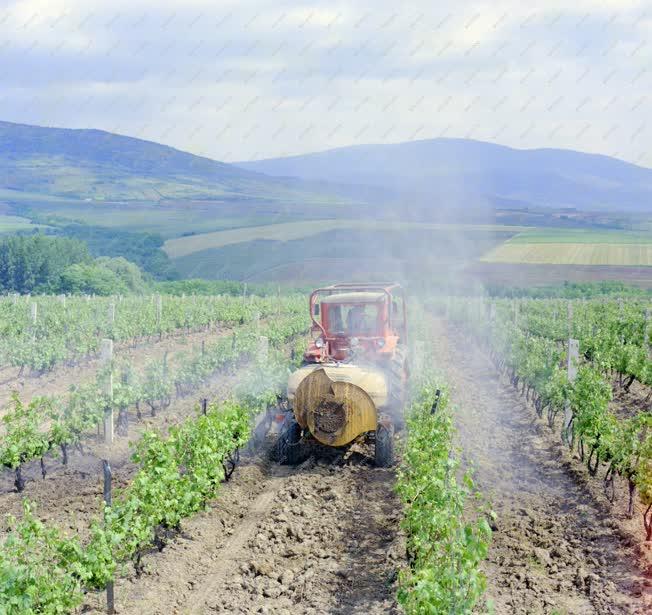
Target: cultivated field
(572, 254)
(575, 247)
(539, 532)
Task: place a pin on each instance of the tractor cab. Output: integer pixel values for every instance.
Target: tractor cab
(354, 379)
(361, 321)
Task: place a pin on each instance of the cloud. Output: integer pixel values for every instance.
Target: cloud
(237, 80)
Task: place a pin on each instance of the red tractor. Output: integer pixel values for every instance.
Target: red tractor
(353, 381)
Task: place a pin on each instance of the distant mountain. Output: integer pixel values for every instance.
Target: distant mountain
(453, 173)
(93, 164)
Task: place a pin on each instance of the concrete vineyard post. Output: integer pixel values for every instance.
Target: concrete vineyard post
(33, 318)
(620, 318)
(419, 351)
(257, 321)
(263, 348)
(244, 292)
(108, 500)
(646, 335)
(107, 358)
(570, 318)
(571, 366)
(159, 310)
(111, 313)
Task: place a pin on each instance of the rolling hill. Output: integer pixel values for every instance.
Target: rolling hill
(97, 165)
(462, 172)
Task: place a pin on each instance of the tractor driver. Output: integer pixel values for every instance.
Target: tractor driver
(357, 320)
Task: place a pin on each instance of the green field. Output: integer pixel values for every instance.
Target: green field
(575, 247)
(587, 236)
(572, 254)
(12, 224)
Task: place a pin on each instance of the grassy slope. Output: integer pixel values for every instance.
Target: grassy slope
(93, 164)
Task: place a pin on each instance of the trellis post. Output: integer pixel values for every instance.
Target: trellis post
(107, 359)
(571, 366)
(106, 467)
(263, 348)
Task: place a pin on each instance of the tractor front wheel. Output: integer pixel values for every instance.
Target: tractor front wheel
(288, 445)
(384, 446)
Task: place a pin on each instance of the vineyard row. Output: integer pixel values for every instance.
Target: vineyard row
(43, 331)
(48, 424)
(528, 346)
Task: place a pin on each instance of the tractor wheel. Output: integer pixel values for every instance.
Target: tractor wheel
(384, 446)
(288, 445)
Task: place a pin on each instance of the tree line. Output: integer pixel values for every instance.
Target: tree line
(49, 264)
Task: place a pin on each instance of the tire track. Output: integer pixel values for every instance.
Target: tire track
(317, 538)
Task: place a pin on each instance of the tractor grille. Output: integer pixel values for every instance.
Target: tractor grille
(330, 416)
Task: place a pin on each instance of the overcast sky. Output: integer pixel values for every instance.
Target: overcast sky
(242, 80)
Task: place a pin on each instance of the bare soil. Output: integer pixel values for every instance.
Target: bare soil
(557, 548)
(317, 538)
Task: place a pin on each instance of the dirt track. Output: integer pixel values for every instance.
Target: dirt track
(318, 538)
(556, 549)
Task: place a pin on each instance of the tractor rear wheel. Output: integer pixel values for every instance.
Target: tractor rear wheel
(288, 445)
(384, 446)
